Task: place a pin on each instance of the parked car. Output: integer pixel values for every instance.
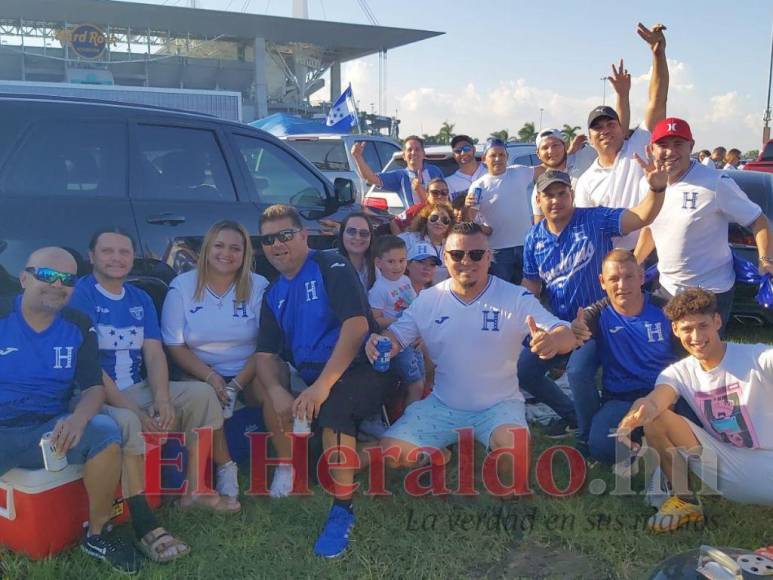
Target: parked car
(332, 154)
(765, 160)
(69, 166)
(441, 156)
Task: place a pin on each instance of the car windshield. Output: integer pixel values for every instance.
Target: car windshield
(326, 155)
(767, 153)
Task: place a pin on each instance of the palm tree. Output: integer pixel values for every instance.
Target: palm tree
(569, 132)
(501, 134)
(527, 133)
(445, 134)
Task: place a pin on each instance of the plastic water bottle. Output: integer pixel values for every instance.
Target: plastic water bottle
(384, 348)
(228, 406)
(477, 194)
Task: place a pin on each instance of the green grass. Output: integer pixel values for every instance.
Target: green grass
(403, 537)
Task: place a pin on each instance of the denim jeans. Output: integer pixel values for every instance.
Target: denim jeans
(581, 372)
(507, 264)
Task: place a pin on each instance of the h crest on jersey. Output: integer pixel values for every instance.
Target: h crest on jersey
(240, 309)
(690, 200)
(490, 320)
(654, 332)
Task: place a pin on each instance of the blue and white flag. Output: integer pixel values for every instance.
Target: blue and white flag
(343, 113)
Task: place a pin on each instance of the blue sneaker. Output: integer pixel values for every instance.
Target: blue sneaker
(334, 539)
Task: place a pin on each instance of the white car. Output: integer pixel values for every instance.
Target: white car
(441, 156)
(332, 154)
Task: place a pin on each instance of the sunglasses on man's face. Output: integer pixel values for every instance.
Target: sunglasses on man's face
(438, 192)
(282, 236)
(50, 276)
(463, 149)
(354, 232)
(458, 255)
(445, 220)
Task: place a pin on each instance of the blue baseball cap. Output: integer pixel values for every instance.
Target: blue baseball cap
(493, 142)
(422, 252)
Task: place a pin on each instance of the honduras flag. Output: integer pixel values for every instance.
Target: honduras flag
(343, 113)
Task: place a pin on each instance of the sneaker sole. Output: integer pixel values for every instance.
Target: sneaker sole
(337, 554)
(98, 556)
(684, 520)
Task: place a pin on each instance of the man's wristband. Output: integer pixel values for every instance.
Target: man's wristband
(766, 259)
(653, 190)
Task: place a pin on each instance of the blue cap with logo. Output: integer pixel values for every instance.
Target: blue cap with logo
(422, 252)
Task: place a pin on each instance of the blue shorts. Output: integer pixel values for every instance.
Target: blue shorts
(20, 446)
(431, 423)
(409, 365)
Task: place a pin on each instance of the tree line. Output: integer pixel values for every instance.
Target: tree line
(526, 134)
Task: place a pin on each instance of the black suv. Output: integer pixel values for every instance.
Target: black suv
(71, 166)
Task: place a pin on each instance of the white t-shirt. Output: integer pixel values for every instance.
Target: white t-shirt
(480, 370)
(616, 186)
(219, 330)
(392, 296)
(734, 401)
(504, 205)
(459, 183)
(689, 232)
(709, 162)
(413, 238)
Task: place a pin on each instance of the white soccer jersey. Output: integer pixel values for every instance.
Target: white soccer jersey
(219, 330)
(474, 346)
(734, 401)
(689, 231)
(618, 185)
(505, 205)
(459, 183)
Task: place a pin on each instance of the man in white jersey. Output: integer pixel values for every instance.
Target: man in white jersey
(699, 204)
(613, 179)
(503, 209)
(476, 382)
(728, 385)
(470, 168)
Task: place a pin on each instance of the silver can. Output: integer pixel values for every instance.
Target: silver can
(301, 425)
(52, 460)
(228, 406)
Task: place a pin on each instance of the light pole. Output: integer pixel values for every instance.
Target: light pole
(540, 118)
(604, 90)
(766, 118)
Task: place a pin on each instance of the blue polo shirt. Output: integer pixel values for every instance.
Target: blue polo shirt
(633, 350)
(40, 370)
(301, 318)
(399, 180)
(569, 264)
(122, 323)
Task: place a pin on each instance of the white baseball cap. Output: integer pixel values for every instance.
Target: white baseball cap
(547, 133)
(422, 252)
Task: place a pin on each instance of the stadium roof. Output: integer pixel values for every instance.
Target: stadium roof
(349, 41)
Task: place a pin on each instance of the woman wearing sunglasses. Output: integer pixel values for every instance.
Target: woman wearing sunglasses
(210, 325)
(355, 239)
(432, 226)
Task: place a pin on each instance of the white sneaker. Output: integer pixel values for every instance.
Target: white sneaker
(656, 492)
(282, 484)
(227, 480)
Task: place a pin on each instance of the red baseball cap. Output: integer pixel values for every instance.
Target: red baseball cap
(671, 127)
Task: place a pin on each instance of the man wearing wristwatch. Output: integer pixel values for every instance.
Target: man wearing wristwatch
(688, 234)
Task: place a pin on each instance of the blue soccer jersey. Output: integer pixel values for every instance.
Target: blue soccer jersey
(39, 370)
(122, 322)
(569, 264)
(301, 318)
(633, 350)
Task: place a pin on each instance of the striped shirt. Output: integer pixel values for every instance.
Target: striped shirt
(569, 264)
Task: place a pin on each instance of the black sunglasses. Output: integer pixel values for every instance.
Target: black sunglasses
(458, 255)
(444, 219)
(282, 236)
(49, 276)
(439, 192)
(463, 149)
(352, 231)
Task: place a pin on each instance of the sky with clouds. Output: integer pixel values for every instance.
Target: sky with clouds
(499, 62)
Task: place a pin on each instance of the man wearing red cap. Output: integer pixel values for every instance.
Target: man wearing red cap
(688, 234)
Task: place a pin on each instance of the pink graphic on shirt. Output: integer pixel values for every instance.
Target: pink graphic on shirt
(725, 416)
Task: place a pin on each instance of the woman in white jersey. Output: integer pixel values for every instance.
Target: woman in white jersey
(355, 241)
(432, 226)
(210, 326)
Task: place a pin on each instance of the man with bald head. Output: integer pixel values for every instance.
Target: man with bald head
(46, 349)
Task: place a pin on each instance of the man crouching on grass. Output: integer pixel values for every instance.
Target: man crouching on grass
(730, 387)
(473, 326)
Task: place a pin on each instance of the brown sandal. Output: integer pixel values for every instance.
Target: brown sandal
(161, 547)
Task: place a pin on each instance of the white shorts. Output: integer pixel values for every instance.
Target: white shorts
(740, 474)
